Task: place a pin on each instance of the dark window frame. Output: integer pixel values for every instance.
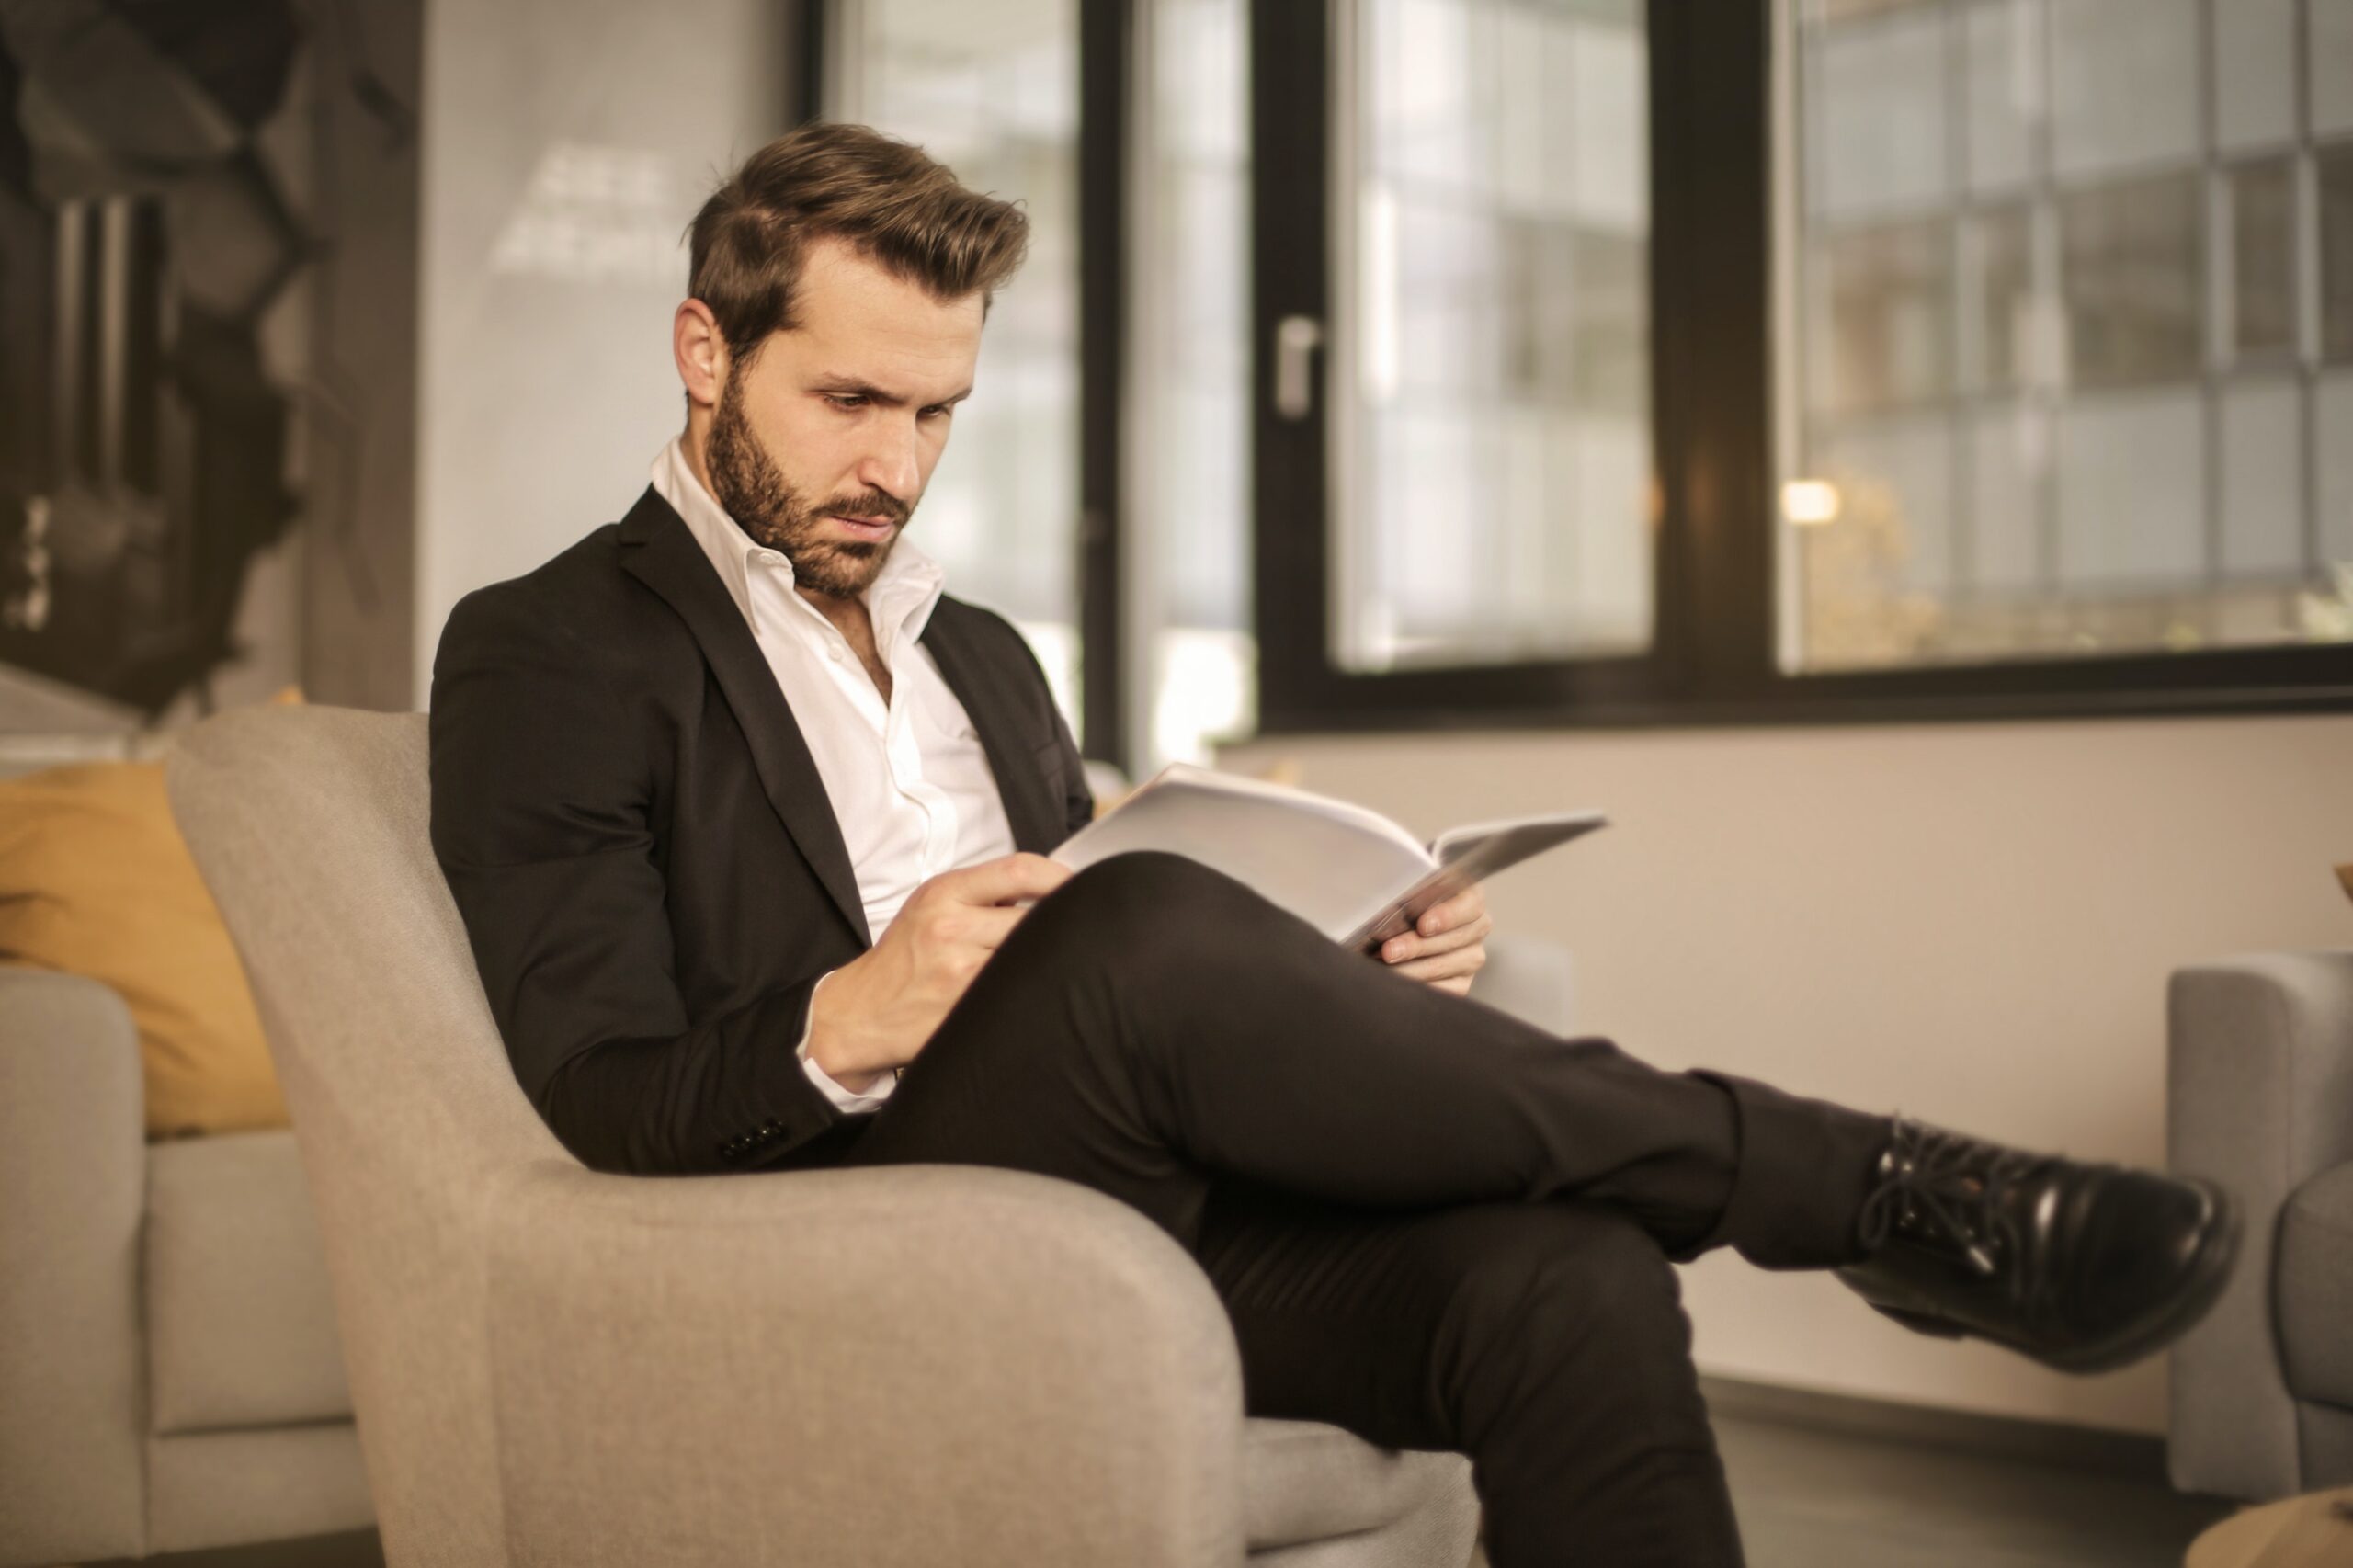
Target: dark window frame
(1712, 660)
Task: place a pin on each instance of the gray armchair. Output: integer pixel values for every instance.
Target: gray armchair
(918, 1365)
(2261, 1098)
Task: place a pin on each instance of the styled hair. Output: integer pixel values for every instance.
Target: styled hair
(887, 198)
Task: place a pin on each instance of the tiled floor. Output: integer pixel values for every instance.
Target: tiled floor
(1807, 1499)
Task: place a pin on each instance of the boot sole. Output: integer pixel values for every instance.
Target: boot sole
(2208, 1272)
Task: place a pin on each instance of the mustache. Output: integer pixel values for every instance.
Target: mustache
(868, 503)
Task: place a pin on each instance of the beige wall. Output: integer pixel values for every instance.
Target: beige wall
(1971, 923)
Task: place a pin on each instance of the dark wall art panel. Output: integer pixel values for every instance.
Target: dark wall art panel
(151, 221)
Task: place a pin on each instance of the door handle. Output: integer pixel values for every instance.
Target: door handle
(1296, 341)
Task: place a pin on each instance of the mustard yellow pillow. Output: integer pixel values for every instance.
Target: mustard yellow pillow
(95, 880)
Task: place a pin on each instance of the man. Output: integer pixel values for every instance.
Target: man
(745, 818)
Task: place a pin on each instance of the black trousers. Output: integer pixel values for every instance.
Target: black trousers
(1430, 1223)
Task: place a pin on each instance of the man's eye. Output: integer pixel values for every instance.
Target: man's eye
(937, 411)
(846, 400)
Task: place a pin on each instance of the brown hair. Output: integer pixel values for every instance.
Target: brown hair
(886, 197)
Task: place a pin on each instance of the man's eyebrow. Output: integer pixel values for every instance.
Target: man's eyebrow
(851, 386)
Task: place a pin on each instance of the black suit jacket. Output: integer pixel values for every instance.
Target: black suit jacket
(649, 869)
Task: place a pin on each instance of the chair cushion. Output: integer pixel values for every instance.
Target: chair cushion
(1309, 1480)
(2315, 1288)
(240, 1320)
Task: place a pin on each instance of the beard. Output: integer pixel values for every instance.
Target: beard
(747, 482)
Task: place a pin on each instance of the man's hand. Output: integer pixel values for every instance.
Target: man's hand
(875, 1012)
(1448, 944)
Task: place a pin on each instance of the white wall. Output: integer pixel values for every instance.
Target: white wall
(1971, 923)
(566, 144)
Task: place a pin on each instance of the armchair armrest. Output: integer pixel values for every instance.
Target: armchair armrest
(906, 1365)
(72, 1192)
(1527, 977)
(2260, 1098)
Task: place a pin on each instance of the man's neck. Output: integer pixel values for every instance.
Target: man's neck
(694, 440)
(849, 616)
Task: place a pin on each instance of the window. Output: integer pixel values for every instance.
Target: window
(992, 92)
(1493, 443)
(1096, 490)
(1190, 518)
(2049, 311)
(1423, 362)
(1947, 357)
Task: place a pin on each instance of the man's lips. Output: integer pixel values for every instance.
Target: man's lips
(872, 530)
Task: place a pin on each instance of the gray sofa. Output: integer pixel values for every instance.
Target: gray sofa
(169, 1377)
(2260, 1096)
(1021, 1366)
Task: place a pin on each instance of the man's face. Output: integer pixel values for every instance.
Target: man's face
(821, 446)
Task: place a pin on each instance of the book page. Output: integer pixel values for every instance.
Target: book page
(1328, 862)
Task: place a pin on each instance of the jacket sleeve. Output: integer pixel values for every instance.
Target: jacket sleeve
(547, 774)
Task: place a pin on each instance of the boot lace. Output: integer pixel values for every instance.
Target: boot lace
(1946, 1189)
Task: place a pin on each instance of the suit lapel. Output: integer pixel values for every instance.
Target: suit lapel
(995, 706)
(662, 553)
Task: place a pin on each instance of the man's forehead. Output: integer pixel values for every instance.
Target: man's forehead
(854, 321)
(839, 285)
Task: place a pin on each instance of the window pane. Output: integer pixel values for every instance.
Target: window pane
(2130, 257)
(2003, 334)
(2004, 549)
(1888, 317)
(1192, 309)
(2263, 470)
(992, 92)
(2333, 437)
(1880, 145)
(2005, 91)
(2336, 180)
(2329, 71)
(2131, 491)
(2263, 259)
(2099, 445)
(2124, 77)
(1495, 474)
(2255, 72)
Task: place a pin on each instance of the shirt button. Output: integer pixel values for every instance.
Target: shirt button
(835, 654)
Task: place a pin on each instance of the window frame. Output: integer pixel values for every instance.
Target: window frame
(1106, 49)
(1716, 95)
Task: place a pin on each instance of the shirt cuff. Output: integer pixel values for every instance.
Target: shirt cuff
(848, 1100)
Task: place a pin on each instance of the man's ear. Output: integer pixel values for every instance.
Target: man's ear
(700, 350)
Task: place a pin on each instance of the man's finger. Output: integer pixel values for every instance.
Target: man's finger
(1397, 949)
(1454, 913)
(1459, 964)
(1006, 879)
(990, 925)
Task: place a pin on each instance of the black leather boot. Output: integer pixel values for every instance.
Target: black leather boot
(2080, 1266)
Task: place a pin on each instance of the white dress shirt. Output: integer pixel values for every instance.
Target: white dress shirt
(908, 780)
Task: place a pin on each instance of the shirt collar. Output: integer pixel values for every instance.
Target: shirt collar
(899, 601)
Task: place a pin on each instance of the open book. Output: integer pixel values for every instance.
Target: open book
(1351, 873)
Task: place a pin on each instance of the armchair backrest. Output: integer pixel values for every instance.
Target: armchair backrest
(310, 825)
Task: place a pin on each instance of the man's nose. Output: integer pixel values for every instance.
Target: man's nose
(891, 464)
